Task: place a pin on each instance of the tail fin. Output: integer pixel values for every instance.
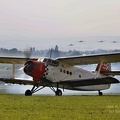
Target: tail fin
(104, 68)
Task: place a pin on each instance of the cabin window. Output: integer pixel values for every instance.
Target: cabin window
(79, 76)
(67, 72)
(60, 70)
(64, 71)
(70, 73)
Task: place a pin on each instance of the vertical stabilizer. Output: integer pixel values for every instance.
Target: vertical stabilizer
(104, 68)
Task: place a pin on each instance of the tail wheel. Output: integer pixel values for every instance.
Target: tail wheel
(28, 93)
(58, 92)
(100, 93)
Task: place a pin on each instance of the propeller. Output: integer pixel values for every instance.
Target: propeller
(27, 53)
(29, 65)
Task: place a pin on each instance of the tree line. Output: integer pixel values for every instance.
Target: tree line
(55, 52)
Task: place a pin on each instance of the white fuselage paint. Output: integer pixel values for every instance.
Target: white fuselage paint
(64, 72)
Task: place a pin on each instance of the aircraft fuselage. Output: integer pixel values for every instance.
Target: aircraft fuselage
(64, 72)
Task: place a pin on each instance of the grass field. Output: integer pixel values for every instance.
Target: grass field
(19, 107)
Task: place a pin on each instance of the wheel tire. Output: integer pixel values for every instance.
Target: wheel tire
(58, 92)
(100, 93)
(28, 93)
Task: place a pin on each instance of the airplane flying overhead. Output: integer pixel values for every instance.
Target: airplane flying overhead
(101, 41)
(71, 45)
(114, 42)
(63, 72)
(80, 41)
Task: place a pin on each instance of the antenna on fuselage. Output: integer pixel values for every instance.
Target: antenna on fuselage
(51, 53)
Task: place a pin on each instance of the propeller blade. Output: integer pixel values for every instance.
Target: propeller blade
(27, 53)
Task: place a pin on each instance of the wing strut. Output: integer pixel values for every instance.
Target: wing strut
(13, 71)
(97, 75)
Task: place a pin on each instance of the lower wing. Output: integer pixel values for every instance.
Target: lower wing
(88, 82)
(72, 83)
(17, 81)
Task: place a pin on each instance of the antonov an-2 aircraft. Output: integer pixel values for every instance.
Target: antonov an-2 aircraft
(63, 72)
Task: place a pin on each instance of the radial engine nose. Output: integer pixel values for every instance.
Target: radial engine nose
(34, 69)
(28, 67)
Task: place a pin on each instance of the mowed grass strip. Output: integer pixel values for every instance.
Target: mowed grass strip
(36, 107)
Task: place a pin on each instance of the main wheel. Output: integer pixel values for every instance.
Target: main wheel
(100, 93)
(58, 92)
(28, 93)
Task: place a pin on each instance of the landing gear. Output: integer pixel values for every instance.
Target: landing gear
(33, 90)
(28, 93)
(36, 88)
(58, 92)
(100, 93)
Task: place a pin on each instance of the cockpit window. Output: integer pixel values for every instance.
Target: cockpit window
(51, 62)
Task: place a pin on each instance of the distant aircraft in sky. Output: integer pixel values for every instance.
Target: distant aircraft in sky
(114, 42)
(81, 41)
(71, 44)
(63, 72)
(101, 41)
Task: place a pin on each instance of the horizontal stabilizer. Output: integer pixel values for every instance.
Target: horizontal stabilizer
(111, 73)
(88, 82)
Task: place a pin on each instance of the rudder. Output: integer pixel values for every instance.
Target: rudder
(104, 68)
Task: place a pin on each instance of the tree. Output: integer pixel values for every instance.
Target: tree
(56, 48)
(13, 50)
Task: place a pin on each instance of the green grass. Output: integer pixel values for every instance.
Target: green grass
(19, 107)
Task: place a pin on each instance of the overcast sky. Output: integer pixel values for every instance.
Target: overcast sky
(35, 19)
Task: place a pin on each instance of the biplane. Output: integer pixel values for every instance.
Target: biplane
(63, 72)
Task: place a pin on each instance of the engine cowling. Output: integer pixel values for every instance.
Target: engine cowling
(34, 69)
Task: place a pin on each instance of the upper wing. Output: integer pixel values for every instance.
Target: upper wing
(91, 59)
(15, 60)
